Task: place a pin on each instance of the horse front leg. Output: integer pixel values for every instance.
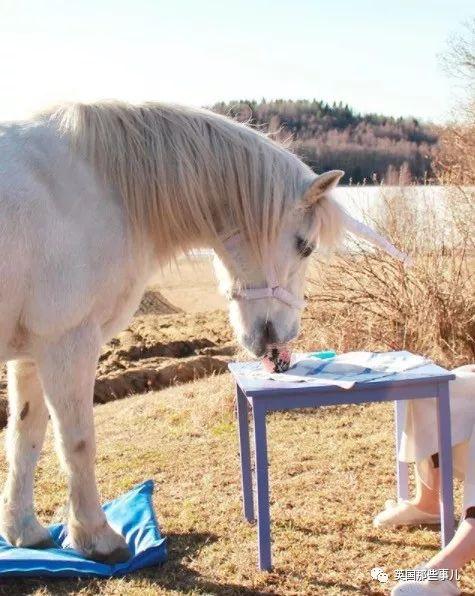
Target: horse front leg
(23, 440)
(67, 369)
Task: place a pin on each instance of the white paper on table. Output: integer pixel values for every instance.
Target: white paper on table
(343, 370)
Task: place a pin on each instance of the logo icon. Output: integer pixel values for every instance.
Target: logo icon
(378, 573)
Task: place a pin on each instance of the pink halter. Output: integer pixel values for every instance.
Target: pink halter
(273, 288)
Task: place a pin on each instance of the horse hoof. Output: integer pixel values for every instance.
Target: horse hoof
(46, 543)
(118, 555)
(25, 533)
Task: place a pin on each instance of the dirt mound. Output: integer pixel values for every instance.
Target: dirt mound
(156, 351)
(153, 302)
(156, 373)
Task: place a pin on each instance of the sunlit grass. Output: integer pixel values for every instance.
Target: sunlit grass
(330, 470)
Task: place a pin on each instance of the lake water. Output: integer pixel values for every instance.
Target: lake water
(358, 200)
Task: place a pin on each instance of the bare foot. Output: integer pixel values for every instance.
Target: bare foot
(459, 551)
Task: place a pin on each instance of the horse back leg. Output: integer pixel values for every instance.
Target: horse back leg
(67, 369)
(24, 439)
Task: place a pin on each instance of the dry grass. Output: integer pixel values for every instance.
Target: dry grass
(371, 301)
(331, 471)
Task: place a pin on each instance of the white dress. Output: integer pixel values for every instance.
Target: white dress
(420, 437)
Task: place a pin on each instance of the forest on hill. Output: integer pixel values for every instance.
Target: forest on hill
(370, 148)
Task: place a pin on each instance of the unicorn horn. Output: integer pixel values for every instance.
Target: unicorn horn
(358, 228)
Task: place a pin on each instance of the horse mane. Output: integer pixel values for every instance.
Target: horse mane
(185, 174)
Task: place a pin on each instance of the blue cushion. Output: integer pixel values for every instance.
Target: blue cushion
(131, 514)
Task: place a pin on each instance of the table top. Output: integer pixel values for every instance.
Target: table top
(254, 387)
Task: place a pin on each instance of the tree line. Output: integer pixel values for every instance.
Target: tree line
(370, 148)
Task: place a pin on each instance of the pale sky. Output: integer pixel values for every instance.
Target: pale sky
(377, 56)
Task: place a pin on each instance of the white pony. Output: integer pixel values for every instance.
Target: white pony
(93, 198)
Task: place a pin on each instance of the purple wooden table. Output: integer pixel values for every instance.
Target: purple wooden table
(262, 396)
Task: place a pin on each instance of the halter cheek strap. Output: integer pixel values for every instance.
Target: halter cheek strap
(273, 288)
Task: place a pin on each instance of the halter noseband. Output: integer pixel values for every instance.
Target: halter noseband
(273, 288)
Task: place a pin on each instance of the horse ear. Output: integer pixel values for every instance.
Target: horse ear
(321, 186)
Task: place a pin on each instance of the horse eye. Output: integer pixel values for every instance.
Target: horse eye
(303, 247)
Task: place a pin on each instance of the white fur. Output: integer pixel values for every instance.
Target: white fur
(92, 200)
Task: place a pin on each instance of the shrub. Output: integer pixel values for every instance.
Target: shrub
(364, 299)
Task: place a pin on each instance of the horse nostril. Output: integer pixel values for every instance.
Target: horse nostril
(269, 335)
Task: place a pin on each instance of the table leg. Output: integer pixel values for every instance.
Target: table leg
(402, 469)
(245, 454)
(262, 486)
(445, 462)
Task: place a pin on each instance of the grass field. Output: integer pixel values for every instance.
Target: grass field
(330, 471)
